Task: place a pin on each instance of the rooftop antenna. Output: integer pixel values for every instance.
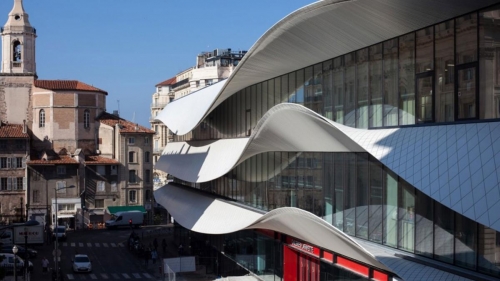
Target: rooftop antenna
(133, 118)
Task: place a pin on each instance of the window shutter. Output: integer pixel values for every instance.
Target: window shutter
(9, 161)
(9, 183)
(25, 183)
(24, 162)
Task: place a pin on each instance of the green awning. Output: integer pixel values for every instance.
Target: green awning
(115, 209)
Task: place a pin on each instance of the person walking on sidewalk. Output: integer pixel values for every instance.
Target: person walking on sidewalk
(45, 265)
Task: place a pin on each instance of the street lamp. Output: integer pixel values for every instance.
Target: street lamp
(55, 229)
(14, 250)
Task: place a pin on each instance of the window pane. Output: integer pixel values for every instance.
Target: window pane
(350, 94)
(362, 196)
(443, 233)
(391, 82)
(376, 201)
(425, 49)
(406, 215)
(489, 56)
(391, 210)
(489, 247)
(407, 79)
(445, 71)
(338, 90)
(350, 195)
(362, 88)
(465, 242)
(424, 225)
(300, 87)
(376, 104)
(328, 189)
(327, 89)
(424, 99)
(466, 93)
(466, 38)
(338, 161)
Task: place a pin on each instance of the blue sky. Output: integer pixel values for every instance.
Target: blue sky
(126, 47)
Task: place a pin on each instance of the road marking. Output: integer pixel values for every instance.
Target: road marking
(93, 276)
(80, 244)
(105, 244)
(147, 275)
(104, 276)
(72, 244)
(97, 245)
(120, 245)
(113, 245)
(136, 275)
(115, 276)
(65, 244)
(126, 275)
(70, 277)
(82, 277)
(89, 244)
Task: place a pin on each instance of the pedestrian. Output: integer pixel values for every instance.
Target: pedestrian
(154, 256)
(164, 246)
(45, 265)
(155, 244)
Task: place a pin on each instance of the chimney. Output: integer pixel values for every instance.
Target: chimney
(115, 112)
(136, 127)
(24, 126)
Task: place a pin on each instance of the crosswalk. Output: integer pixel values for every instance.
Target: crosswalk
(95, 244)
(109, 276)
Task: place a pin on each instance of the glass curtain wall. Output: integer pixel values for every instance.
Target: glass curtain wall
(443, 73)
(358, 195)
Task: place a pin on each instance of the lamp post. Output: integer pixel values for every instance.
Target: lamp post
(14, 250)
(55, 229)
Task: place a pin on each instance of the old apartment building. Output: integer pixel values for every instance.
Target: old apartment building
(56, 137)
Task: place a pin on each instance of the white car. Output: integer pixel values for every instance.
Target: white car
(81, 263)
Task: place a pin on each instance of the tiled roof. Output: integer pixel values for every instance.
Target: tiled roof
(14, 131)
(99, 160)
(167, 82)
(58, 160)
(125, 126)
(66, 85)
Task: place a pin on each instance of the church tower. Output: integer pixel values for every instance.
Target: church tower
(18, 42)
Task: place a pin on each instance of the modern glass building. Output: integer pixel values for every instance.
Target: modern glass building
(380, 119)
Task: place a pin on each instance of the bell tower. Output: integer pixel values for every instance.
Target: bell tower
(18, 42)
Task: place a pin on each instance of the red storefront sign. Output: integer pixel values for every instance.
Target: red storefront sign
(303, 247)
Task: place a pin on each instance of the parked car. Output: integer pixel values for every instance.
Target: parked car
(7, 249)
(8, 263)
(81, 263)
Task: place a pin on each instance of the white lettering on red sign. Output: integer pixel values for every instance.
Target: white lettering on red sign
(302, 246)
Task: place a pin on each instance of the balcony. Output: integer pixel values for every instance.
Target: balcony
(159, 104)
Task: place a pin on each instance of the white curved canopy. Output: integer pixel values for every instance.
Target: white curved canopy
(315, 33)
(204, 213)
(457, 165)
(201, 161)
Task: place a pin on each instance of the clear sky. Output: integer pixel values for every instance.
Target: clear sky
(126, 47)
